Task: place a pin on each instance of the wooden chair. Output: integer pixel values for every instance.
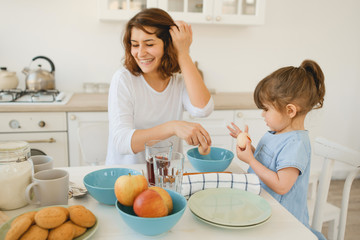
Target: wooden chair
(93, 139)
(324, 211)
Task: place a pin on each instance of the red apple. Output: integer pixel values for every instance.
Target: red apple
(128, 187)
(165, 196)
(150, 204)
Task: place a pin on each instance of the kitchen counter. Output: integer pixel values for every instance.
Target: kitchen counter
(97, 102)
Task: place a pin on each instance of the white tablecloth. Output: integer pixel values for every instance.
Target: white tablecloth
(281, 225)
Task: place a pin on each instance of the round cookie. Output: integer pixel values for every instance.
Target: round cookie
(75, 206)
(78, 229)
(21, 226)
(65, 210)
(82, 217)
(50, 217)
(62, 232)
(35, 233)
(29, 215)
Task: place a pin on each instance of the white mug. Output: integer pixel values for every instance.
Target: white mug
(51, 187)
(42, 162)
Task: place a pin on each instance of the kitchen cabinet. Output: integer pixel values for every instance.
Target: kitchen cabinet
(78, 120)
(215, 125)
(235, 12)
(122, 9)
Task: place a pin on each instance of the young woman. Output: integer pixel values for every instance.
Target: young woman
(158, 82)
(282, 158)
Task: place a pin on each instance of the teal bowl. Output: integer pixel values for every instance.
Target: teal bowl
(216, 161)
(154, 226)
(100, 183)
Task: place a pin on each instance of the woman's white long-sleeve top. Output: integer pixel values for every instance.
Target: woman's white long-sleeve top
(134, 104)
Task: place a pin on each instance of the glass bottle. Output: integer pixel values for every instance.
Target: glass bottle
(15, 174)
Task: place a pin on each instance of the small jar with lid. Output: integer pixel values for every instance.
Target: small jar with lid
(15, 174)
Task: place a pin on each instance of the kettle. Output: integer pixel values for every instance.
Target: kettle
(8, 80)
(40, 79)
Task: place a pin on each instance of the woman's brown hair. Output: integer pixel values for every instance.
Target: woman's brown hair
(302, 86)
(161, 21)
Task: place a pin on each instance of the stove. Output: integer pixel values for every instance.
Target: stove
(44, 97)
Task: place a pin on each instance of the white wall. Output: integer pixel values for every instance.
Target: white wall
(233, 58)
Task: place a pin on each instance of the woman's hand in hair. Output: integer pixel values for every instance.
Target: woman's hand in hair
(181, 36)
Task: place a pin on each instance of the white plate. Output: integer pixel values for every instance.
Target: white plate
(6, 226)
(229, 227)
(230, 207)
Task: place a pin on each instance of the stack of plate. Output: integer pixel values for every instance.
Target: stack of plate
(230, 208)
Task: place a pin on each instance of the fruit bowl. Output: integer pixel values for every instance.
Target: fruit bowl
(154, 226)
(100, 183)
(216, 161)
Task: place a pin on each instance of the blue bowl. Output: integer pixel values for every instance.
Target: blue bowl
(100, 183)
(216, 161)
(154, 226)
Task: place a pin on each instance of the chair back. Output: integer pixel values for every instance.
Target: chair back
(93, 141)
(332, 152)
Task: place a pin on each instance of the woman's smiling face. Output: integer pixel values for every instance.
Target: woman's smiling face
(147, 49)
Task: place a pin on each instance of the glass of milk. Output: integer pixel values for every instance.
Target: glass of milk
(15, 174)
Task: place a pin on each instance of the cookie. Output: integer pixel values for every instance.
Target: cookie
(82, 216)
(35, 233)
(65, 210)
(62, 232)
(50, 217)
(78, 229)
(75, 206)
(29, 215)
(18, 228)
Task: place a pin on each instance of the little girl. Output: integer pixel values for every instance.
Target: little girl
(282, 158)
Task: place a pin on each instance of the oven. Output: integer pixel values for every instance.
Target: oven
(45, 132)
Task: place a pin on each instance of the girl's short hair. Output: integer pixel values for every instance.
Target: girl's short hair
(302, 86)
(161, 21)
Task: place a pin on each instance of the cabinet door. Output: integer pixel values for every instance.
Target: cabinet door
(76, 120)
(257, 127)
(191, 11)
(239, 12)
(215, 125)
(122, 9)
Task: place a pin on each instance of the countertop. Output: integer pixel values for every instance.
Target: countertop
(97, 102)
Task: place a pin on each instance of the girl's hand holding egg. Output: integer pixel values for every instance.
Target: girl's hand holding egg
(242, 139)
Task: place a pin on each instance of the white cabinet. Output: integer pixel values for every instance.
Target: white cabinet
(122, 9)
(236, 12)
(78, 120)
(215, 124)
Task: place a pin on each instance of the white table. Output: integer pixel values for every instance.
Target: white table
(281, 225)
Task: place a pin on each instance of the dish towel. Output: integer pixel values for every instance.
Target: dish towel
(193, 183)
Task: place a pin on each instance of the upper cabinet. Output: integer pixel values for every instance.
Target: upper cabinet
(236, 12)
(122, 9)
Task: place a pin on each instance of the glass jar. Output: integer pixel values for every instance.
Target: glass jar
(15, 173)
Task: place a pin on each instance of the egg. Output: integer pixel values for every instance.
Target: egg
(242, 139)
(202, 151)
